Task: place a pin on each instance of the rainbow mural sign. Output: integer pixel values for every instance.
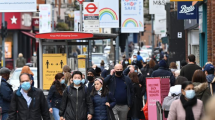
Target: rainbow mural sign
(140, 24)
(130, 21)
(109, 12)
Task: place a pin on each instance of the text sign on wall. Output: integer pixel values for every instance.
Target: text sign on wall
(187, 11)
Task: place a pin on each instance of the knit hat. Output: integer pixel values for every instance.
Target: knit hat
(92, 70)
(162, 63)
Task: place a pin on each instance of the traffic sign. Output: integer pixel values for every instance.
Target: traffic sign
(91, 8)
(80, 1)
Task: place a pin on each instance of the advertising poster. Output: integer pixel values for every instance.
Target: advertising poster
(45, 18)
(153, 95)
(129, 16)
(157, 7)
(52, 64)
(91, 17)
(108, 13)
(141, 15)
(8, 49)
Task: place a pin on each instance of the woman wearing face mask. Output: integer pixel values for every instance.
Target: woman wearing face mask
(125, 63)
(188, 107)
(76, 103)
(55, 95)
(101, 99)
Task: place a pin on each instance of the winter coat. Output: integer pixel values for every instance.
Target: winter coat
(76, 104)
(202, 91)
(137, 63)
(54, 97)
(105, 73)
(211, 82)
(177, 112)
(6, 92)
(20, 62)
(137, 105)
(162, 72)
(146, 71)
(111, 83)
(38, 109)
(100, 109)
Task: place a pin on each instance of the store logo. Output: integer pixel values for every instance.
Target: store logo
(159, 2)
(185, 9)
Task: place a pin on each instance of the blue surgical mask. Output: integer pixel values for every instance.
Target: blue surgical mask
(35, 54)
(100, 89)
(26, 86)
(83, 81)
(135, 71)
(62, 81)
(126, 62)
(190, 94)
(135, 59)
(77, 82)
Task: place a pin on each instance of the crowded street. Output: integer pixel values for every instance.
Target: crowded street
(107, 59)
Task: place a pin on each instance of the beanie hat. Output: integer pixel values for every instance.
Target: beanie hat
(162, 63)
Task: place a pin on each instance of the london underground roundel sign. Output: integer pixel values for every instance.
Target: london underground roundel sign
(80, 1)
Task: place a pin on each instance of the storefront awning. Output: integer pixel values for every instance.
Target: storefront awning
(32, 35)
(75, 36)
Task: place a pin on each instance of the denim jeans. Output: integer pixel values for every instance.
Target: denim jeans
(56, 113)
(4, 116)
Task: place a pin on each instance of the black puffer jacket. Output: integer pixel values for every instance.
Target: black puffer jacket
(76, 103)
(38, 109)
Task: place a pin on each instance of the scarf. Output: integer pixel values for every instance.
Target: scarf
(187, 105)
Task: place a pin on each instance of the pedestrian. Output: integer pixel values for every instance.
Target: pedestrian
(136, 62)
(173, 67)
(28, 102)
(102, 65)
(180, 80)
(121, 88)
(136, 112)
(125, 63)
(188, 107)
(102, 99)
(76, 102)
(6, 92)
(67, 76)
(20, 61)
(27, 70)
(177, 73)
(97, 70)
(163, 72)
(105, 72)
(34, 59)
(66, 68)
(209, 72)
(183, 63)
(148, 69)
(201, 86)
(90, 77)
(123, 58)
(139, 58)
(209, 109)
(188, 70)
(55, 95)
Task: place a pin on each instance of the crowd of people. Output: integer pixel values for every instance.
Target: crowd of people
(117, 94)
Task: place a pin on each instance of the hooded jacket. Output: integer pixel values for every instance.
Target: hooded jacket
(211, 82)
(38, 109)
(202, 91)
(76, 103)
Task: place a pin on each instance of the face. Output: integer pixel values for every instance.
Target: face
(83, 76)
(98, 85)
(7, 76)
(77, 77)
(61, 79)
(25, 78)
(134, 56)
(189, 87)
(118, 67)
(90, 74)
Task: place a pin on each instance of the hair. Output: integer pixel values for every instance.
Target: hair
(180, 80)
(138, 52)
(134, 77)
(192, 58)
(185, 84)
(24, 74)
(102, 63)
(123, 56)
(27, 70)
(134, 55)
(152, 63)
(66, 68)
(173, 65)
(77, 72)
(60, 87)
(199, 76)
(20, 55)
(104, 91)
(67, 76)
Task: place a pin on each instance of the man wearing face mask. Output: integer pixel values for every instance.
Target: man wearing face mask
(121, 87)
(6, 92)
(136, 62)
(90, 77)
(28, 102)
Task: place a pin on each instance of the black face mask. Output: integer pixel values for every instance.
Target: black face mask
(90, 78)
(119, 73)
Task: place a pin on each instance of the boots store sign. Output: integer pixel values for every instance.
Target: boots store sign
(187, 11)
